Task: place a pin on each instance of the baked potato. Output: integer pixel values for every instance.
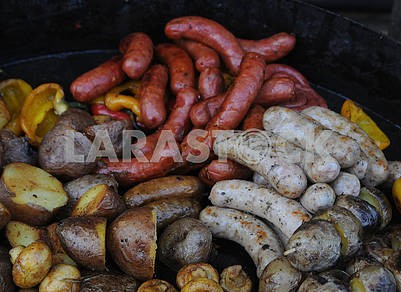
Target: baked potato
(32, 265)
(61, 278)
(175, 186)
(16, 149)
(329, 281)
(373, 278)
(131, 241)
(15, 252)
(77, 187)
(108, 282)
(31, 194)
(5, 216)
(170, 210)
(64, 149)
(22, 234)
(83, 238)
(100, 200)
(348, 227)
(186, 241)
(195, 271)
(315, 246)
(234, 279)
(358, 263)
(279, 276)
(156, 285)
(380, 202)
(6, 278)
(58, 253)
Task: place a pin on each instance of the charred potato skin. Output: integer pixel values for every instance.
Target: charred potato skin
(184, 242)
(279, 275)
(366, 213)
(346, 223)
(6, 279)
(162, 188)
(170, 210)
(374, 278)
(16, 149)
(108, 282)
(131, 241)
(60, 256)
(334, 280)
(79, 238)
(315, 246)
(5, 216)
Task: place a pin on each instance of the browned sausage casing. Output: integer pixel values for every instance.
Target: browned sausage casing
(151, 97)
(209, 33)
(138, 53)
(272, 48)
(203, 56)
(223, 170)
(241, 94)
(204, 111)
(210, 83)
(180, 66)
(254, 118)
(275, 91)
(98, 80)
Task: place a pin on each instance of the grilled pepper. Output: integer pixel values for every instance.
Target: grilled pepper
(5, 116)
(116, 101)
(40, 111)
(356, 114)
(102, 110)
(13, 92)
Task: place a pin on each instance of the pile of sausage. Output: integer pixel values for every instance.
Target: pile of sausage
(197, 68)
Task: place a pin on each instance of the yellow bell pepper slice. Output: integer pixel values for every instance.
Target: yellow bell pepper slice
(396, 191)
(40, 110)
(356, 114)
(116, 101)
(5, 116)
(13, 92)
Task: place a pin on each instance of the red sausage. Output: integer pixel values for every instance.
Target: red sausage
(254, 118)
(241, 94)
(98, 80)
(219, 170)
(204, 111)
(203, 56)
(138, 53)
(151, 96)
(272, 48)
(210, 33)
(210, 83)
(275, 91)
(180, 66)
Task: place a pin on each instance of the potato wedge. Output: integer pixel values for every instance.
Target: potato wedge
(59, 254)
(156, 285)
(61, 278)
(101, 201)
(108, 282)
(234, 279)
(32, 265)
(14, 253)
(163, 188)
(373, 278)
(5, 216)
(83, 238)
(378, 200)
(132, 242)
(21, 234)
(6, 278)
(31, 194)
(192, 272)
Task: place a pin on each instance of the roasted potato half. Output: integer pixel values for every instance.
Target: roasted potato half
(21, 234)
(156, 285)
(100, 200)
(175, 186)
(234, 279)
(32, 265)
(380, 202)
(131, 241)
(279, 275)
(186, 241)
(108, 282)
(358, 263)
(83, 238)
(59, 254)
(334, 280)
(31, 194)
(373, 278)
(202, 284)
(192, 272)
(61, 278)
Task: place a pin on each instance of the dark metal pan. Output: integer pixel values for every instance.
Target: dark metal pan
(343, 59)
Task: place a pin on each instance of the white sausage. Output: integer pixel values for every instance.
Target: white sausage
(346, 184)
(260, 180)
(286, 214)
(317, 197)
(311, 136)
(261, 243)
(377, 168)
